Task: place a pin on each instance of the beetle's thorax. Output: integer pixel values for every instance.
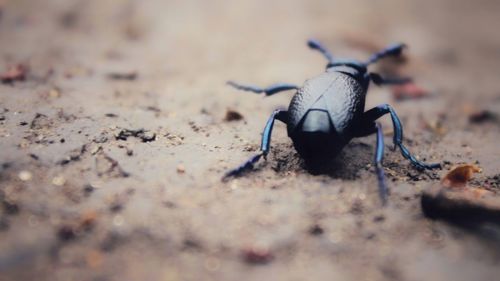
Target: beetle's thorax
(353, 68)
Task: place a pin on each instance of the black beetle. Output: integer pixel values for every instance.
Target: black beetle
(329, 110)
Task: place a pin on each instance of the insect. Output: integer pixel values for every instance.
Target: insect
(329, 110)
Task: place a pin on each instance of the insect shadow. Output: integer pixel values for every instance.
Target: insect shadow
(348, 165)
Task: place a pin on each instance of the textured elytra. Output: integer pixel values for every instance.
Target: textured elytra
(345, 101)
(343, 94)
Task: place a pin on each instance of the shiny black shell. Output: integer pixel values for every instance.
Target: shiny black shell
(344, 94)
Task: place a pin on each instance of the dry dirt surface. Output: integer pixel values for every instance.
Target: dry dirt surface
(116, 126)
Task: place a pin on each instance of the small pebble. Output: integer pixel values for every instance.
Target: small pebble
(58, 181)
(316, 230)
(118, 220)
(96, 184)
(232, 115)
(257, 256)
(181, 169)
(66, 233)
(54, 93)
(25, 175)
(88, 188)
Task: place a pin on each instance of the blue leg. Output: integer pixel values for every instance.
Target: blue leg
(373, 114)
(265, 145)
(271, 90)
(316, 45)
(379, 156)
(369, 127)
(393, 50)
(379, 80)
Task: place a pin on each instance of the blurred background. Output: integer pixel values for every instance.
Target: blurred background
(116, 126)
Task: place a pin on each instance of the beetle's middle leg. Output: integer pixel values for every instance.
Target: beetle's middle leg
(379, 80)
(373, 114)
(271, 90)
(265, 144)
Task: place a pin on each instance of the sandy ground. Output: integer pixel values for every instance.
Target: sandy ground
(87, 195)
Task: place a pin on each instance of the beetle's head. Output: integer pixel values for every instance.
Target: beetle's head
(347, 65)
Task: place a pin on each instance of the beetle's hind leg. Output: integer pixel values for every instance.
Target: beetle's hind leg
(271, 90)
(373, 114)
(265, 145)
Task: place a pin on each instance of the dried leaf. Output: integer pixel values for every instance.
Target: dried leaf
(436, 126)
(14, 73)
(87, 220)
(232, 115)
(123, 75)
(482, 116)
(408, 91)
(94, 258)
(460, 175)
(256, 255)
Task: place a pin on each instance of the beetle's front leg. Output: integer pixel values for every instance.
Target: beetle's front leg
(379, 156)
(265, 145)
(368, 127)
